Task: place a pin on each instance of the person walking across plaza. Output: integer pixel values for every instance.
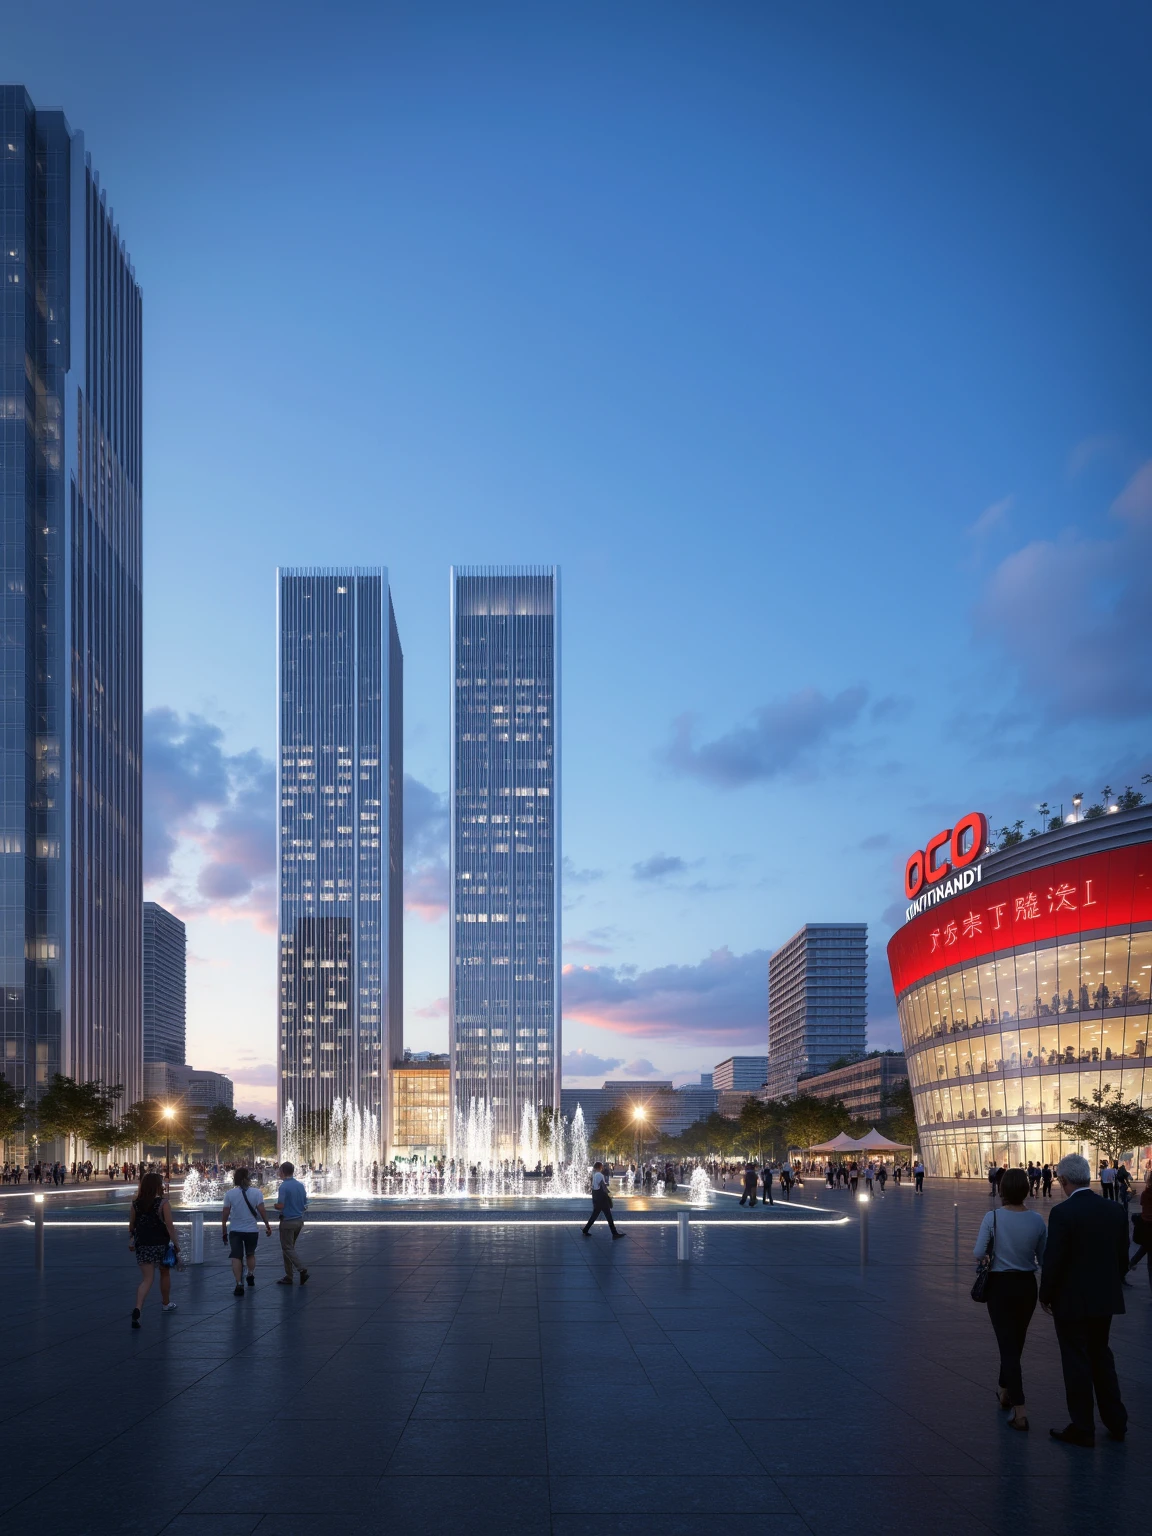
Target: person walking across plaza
(918, 1174)
(243, 1210)
(601, 1203)
(151, 1231)
(1016, 1237)
(291, 1202)
(1081, 1288)
(1046, 1181)
(750, 1182)
(766, 1177)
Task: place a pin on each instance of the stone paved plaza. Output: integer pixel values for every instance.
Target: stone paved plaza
(521, 1379)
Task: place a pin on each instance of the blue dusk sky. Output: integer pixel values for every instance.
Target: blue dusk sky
(812, 341)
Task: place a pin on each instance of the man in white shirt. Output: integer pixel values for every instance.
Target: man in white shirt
(601, 1203)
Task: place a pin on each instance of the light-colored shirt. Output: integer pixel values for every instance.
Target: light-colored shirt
(1020, 1239)
(241, 1215)
(598, 1180)
(292, 1198)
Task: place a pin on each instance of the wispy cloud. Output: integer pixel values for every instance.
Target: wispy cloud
(659, 866)
(992, 517)
(216, 808)
(783, 738)
(1073, 616)
(574, 876)
(425, 850)
(582, 1063)
(723, 997)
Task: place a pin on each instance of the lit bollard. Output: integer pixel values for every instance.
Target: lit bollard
(864, 1204)
(38, 1201)
(956, 1233)
(683, 1238)
(197, 1254)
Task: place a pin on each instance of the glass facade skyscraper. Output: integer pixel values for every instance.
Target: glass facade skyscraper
(505, 844)
(165, 985)
(71, 717)
(817, 1002)
(340, 845)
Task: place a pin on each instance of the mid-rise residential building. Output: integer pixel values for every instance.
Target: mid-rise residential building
(741, 1072)
(504, 1025)
(817, 1002)
(864, 1087)
(71, 718)
(165, 985)
(193, 1090)
(340, 845)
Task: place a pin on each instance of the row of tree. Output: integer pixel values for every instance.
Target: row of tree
(766, 1128)
(85, 1114)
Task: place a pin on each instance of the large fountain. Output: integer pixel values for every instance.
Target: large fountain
(550, 1157)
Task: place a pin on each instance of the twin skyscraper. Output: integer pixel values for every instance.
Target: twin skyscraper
(340, 846)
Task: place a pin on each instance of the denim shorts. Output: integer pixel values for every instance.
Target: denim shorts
(240, 1243)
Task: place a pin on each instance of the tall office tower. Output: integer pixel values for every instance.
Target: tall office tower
(504, 1026)
(817, 1002)
(340, 849)
(70, 675)
(165, 985)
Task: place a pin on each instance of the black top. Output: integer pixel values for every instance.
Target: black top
(1086, 1258)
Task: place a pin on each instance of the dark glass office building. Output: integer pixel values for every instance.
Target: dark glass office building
(165, 985)
(70, 657)
(817, 1002)
(505, 849)
(340, 844)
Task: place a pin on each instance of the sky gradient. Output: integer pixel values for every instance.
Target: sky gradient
(814, 344)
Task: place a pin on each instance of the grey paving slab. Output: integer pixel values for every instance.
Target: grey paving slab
(531, 1383)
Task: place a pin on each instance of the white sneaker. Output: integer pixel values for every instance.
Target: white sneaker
(171, 1307)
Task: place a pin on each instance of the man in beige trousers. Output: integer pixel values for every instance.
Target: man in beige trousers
(291, 1202)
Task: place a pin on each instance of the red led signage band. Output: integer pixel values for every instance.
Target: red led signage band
(1102, 890)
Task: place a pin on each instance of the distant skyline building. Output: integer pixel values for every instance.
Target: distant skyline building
(70, 667)
(817, 1002)
(504, 1021)
(340, 847)
(739, 1072)
(165, 985)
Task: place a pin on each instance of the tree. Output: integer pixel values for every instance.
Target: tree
(615, 1130)
(1112, 1126)
(11, 1110)
(77, 1111)
(222, 1127)
(756, 1126)
(901, 1117)
(1130, 799)
(147, 1123)
(808, 1120)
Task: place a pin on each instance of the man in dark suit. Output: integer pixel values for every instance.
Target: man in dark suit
(1085, 1260)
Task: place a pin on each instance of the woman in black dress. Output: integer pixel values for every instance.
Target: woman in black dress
(150, 1230)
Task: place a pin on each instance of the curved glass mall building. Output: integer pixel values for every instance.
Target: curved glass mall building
(1026, 988)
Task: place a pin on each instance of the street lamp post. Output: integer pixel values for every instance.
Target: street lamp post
(168, 1149)
(638, 1118)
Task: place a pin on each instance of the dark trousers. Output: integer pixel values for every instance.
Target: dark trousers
(919, 1183)
(749, 1194)
(600, 1207)
(1011, 1302)
(768, 1200)
(1088, 1364)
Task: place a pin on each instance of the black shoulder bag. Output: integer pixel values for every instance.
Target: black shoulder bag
(984, 1267)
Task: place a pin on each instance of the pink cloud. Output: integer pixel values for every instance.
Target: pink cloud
(724, 997)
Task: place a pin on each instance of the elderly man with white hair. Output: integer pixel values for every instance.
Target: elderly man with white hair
(1081, 1286)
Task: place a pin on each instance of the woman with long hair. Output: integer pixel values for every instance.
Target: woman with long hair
(150, 1231)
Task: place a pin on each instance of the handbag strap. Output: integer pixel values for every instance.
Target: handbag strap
(990, 1251)
(247, 1202)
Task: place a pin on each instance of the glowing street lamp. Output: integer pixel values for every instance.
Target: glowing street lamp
(168, 1113)
(638, 1116)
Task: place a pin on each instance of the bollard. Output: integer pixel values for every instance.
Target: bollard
(683, 1239)
(38, 1201)
(864, 1202)
(956, 1233)
(197, 1254)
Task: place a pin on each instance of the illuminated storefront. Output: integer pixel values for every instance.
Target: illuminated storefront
(1022, 981)
(420, 1103)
